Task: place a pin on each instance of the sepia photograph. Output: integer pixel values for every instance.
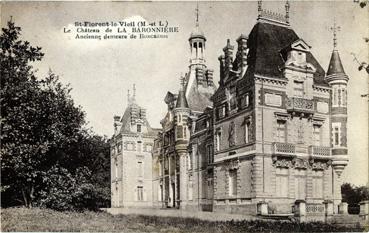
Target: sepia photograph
(184, 116)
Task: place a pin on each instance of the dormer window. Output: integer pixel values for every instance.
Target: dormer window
(298, 88)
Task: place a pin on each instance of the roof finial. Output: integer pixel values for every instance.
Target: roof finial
(335, 29)
(197, 15)
(287, 6)
(259, 8)
(182, 81)
(134, 92)
(128, 96)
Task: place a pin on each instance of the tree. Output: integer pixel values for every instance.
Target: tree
(354, 195)
(46, 154)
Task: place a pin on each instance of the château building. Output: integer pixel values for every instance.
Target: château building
(273, 134)
(131, 160)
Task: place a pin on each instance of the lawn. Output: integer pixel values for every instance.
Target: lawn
(22, 219)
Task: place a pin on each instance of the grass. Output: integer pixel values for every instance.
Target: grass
(26, 220)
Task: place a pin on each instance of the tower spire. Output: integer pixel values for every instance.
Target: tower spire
(259, 8)
(128, 96)
(197, 15)
(134, 92)
(335, 29)
(287, 6)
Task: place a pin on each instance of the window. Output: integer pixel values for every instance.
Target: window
(189, 161)
(344, 98)
(140, 193)
(300, 184)
(245, 100)
(281, 131)
(140, 169)
(179, 131)
(300, 131)
(336, 134)
(217, 139)
(282, 182)
(160, 192)
(148, 148)
(221, 112)
(190, 191)
(129, 145)
(209, 149)
(318, 184)
(139, 128)
(232, 188)
(179, 118)
(335, 102)
(139, 146)
(298, 88)
(247, 132)
(316, 135)
(119, 147)
(116, 169)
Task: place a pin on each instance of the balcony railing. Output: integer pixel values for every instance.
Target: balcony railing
(319, 151)
(284, 148)
(300, 105)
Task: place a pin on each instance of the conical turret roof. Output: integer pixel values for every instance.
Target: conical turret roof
(335, 65)
(181, 100)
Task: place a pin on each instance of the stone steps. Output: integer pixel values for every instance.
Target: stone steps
(343, 219)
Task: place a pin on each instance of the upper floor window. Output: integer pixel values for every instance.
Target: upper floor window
(221, 111)
(316, 135)
(139, 146)
(247, 131)
(139, 128)
(179, 131)
(218, 137)
(119, 147)
(336, 134)
(245, 100)
(298, 88)
(281, 131)
(189, 161)
(209, 149)
(339, 96)
(140, 169)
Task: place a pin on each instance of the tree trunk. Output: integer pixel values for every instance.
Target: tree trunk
(25, 198)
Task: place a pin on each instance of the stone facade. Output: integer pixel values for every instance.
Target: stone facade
(271, 139)
(131, 158)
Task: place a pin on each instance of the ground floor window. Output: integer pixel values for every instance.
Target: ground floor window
(300, 184)
(318, 184)
(282, 182)
(232, 187)
(140, 193)
(190, 191)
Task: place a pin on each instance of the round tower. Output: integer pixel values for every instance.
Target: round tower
(337, 79)
(182, 135)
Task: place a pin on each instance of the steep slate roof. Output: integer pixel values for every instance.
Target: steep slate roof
(266, 41)
(181, 100)
(335, 65)
(126, 123)
(198, 101)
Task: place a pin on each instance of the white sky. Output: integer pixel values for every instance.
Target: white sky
(100, 72)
